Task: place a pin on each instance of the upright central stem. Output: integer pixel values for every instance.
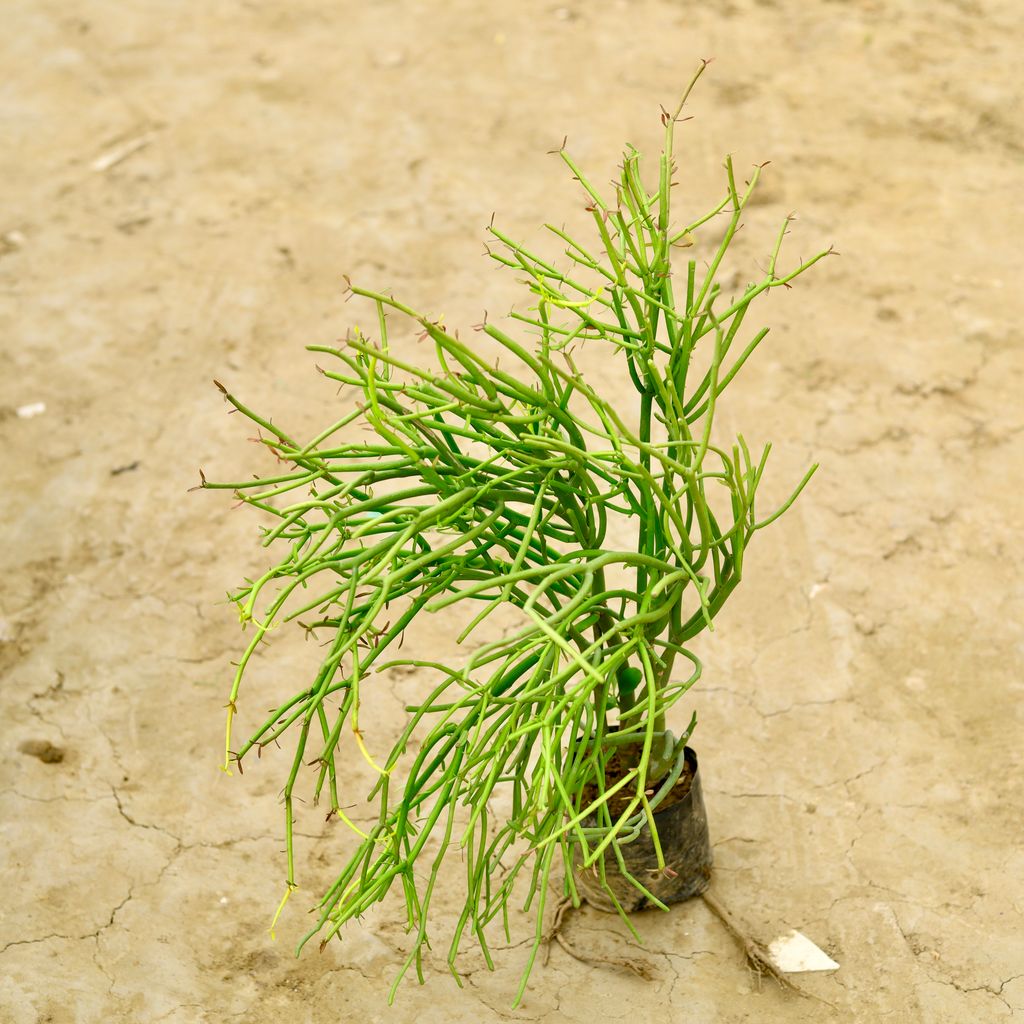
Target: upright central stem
(643, 541)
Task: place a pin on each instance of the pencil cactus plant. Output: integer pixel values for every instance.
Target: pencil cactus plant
(487, 484)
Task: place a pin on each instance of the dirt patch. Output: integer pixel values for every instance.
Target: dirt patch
(46, 751)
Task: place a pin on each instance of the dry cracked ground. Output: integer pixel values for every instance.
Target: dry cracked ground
(184, 186)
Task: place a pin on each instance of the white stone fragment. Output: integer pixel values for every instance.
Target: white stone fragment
(794, 953)
(26, 412)
(119, 153)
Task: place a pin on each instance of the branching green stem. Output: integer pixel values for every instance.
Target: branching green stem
(484, 487)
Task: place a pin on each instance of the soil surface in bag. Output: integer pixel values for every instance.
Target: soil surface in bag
(617, 768)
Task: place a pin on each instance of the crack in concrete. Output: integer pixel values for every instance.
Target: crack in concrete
(801, 704)
(179, 849)
(95, 934)
(758, 796)
(917, 953)
(61, 798)
(140, 824)
(191, 1006)
(860, 775)
(996, 993)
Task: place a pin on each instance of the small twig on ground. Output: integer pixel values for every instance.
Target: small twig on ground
(118, 154)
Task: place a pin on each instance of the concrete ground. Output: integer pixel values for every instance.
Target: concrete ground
(185, 184)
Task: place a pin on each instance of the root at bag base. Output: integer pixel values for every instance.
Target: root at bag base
(640, 968)
(757, 957)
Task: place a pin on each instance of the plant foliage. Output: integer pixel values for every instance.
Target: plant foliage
(499, 484)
